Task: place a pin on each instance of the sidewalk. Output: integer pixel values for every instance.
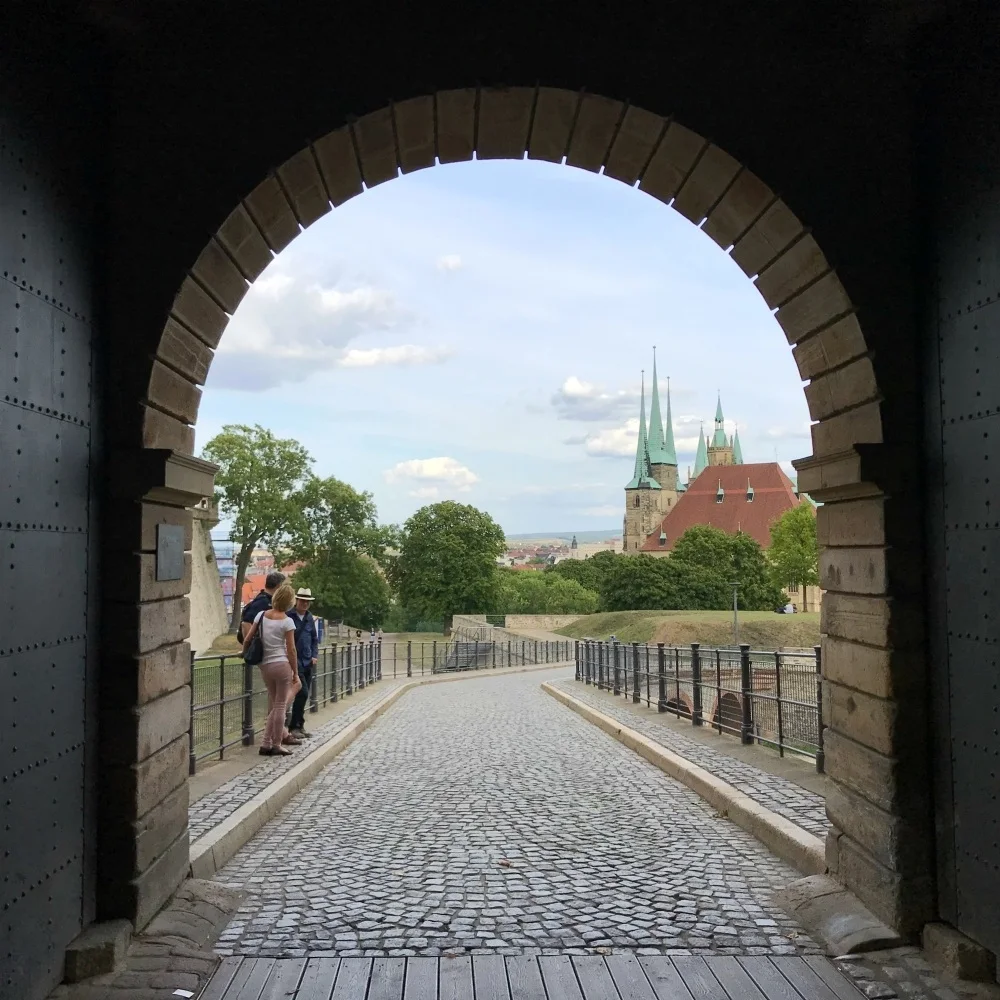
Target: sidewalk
(788, 786)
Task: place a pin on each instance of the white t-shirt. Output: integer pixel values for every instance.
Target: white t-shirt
(273, 636)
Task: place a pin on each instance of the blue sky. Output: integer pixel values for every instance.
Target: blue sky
(476, 332)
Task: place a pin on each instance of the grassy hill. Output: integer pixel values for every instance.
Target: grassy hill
(762, 629)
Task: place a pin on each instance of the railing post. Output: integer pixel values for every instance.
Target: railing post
(746, 687)
(336, 672)
(247, 703)
(820, 752)
(434, 656)
(635, 673)
(192, 763)
(661, 678)
(314, 685)
(509, 663)
(409, 657)
(349, 673)
(617, 688)
(647, 675)
(475, 656)
(777, 692)
(696, 713)
(576, 663)
(718, 689)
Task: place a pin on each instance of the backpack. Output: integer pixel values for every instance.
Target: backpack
(255, 651)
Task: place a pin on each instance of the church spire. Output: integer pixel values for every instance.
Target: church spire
(657, 445)
(737, 450)
(668, 437)
(641, 477)
(719, 438)
(701, 456)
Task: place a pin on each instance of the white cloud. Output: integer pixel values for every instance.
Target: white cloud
(449, 262)
(576, 399)
(272, 286)
(613, 442)
(425, 492)
(402, 354)
(434, 473)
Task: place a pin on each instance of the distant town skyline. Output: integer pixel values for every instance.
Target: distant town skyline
(478, 332)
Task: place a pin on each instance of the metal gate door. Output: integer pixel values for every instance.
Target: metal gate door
(46, 517)
(962, 151)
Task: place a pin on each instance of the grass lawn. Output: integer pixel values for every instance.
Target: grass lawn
(762, 629)
(225, 643)
(415, 637)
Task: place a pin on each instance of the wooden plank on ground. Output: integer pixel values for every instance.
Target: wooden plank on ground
(387, 979)
(455, 978)
(352, 979)
(224, 976)
(629, 978)
(558, 977)
(525, 978)
(664, 978)
(318, 979)
(284, 979)
(698, 979)
(253, 985)
(795, 970)
(734, 978)
(595, 980)
(490, 977)
(770, 982)
(832, 976)
(421, 979)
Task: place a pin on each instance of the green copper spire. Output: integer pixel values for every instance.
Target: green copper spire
(701, 456)
(642, 478)
(719, 438)
(657, 446)
(668, 437)
(737, 450)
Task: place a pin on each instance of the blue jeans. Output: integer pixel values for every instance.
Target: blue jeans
(298, 720)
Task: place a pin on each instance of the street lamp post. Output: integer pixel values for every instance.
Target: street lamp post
(736, 619)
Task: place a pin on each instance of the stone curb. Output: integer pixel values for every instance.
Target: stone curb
(788, 841)
(213, 850)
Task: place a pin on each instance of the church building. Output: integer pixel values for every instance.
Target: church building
(722, 490)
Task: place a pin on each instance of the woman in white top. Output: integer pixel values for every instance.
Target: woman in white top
(280, 676)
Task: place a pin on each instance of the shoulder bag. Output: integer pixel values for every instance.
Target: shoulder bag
(255, 651)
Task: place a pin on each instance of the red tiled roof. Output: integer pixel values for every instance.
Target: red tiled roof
(773, 495)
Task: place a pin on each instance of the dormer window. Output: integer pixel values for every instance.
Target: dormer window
(720, 494)
(749, 492)
(663, 539)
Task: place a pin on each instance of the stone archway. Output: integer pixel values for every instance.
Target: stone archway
(777, 252)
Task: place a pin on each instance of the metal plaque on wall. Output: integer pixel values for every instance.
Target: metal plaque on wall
(169, 552)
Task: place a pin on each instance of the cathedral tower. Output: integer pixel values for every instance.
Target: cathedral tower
(721, 448)
(642, 494)
(662, 453)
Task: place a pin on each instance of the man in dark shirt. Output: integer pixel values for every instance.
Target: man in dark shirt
(306, 651)
(262, 602)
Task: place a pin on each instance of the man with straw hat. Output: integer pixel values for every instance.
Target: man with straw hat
(307, 650)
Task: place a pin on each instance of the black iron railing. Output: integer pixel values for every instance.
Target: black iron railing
(768, 697)
(229, 699)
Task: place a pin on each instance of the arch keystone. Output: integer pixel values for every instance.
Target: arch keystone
(706, 184)
(376, 143)
(555, 112)
(415, 133)
(672, 162)
(338, 164)
(596, 124)
(269, 208)
(301, 180)
(504, 122)
(634, 144)
(456, 125)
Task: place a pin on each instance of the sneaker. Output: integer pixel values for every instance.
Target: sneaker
(301, 734)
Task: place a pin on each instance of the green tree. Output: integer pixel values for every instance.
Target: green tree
(794, 552)
(531, 593)
(447, 561)
(348, 587)
(259, 487)
(707, 547)
(758, 590)
(587, 572)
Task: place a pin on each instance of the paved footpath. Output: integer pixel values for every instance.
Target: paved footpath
(803, 807)
(483, 817)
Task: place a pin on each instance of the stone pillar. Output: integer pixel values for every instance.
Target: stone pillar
(145, 698)
(876, 740)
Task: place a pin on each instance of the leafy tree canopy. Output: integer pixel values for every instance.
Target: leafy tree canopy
(447, 561)
(260, 488)
(532, 593)
(347, 587)
(794, 552)
(587, 572)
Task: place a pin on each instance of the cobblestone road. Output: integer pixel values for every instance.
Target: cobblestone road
(801, 806)
(484, 817)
